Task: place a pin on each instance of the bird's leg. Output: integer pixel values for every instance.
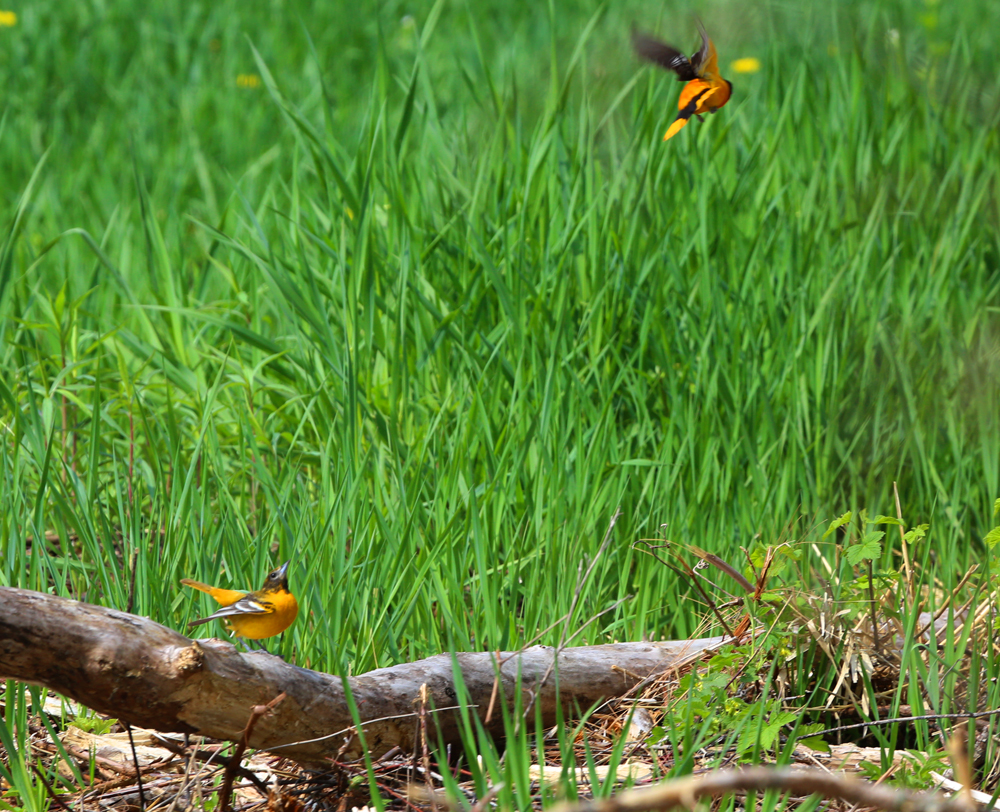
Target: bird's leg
(700, 117)
(280, 642)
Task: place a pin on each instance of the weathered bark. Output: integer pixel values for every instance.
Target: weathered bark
(151, 676)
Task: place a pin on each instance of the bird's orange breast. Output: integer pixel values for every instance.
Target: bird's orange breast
(284, 609)
(704, 96)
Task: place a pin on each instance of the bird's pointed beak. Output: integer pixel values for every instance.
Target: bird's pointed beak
(282, 571)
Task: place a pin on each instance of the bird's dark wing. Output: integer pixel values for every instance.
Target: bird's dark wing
(247, 605)
(700, 57)
(666, 56)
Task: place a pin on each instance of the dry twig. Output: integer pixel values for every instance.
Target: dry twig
(686, 791)
(234, 763)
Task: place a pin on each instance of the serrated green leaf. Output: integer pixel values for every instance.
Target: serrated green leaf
(838, 522)
(757, 556)
(887, 520)
(867, 550)
(815, 743)
(872, 771)
(726, 658)
(992, 538)
(916, 533)
(771, 731)
(59, 305)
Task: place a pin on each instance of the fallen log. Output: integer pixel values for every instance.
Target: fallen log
(153, 677)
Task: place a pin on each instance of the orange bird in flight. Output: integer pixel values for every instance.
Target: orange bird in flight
(705, 91)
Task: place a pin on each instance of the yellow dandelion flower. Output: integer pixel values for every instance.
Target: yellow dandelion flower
(8, 19)
(748, 64)
(248, 80)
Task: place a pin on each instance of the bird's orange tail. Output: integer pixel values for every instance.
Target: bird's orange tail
(226, 597)
(675, 128)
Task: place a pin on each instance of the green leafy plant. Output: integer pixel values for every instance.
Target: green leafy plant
(92, 723)
(992, 539)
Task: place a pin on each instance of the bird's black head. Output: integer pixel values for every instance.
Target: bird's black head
(278, 578)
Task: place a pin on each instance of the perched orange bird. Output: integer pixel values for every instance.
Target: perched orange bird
(705, 91)
(253, 615)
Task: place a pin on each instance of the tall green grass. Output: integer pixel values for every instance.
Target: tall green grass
(427, 306)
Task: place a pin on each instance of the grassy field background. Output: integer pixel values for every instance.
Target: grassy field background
(417, 298)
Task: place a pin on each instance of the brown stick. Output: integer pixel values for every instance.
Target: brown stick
(233, 764)
(211, 754)
(907, 569)
(153, 677)
(686, 791)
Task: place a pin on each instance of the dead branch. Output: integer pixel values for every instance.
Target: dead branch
(797, 781)
(226, 792)
(152, 677)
